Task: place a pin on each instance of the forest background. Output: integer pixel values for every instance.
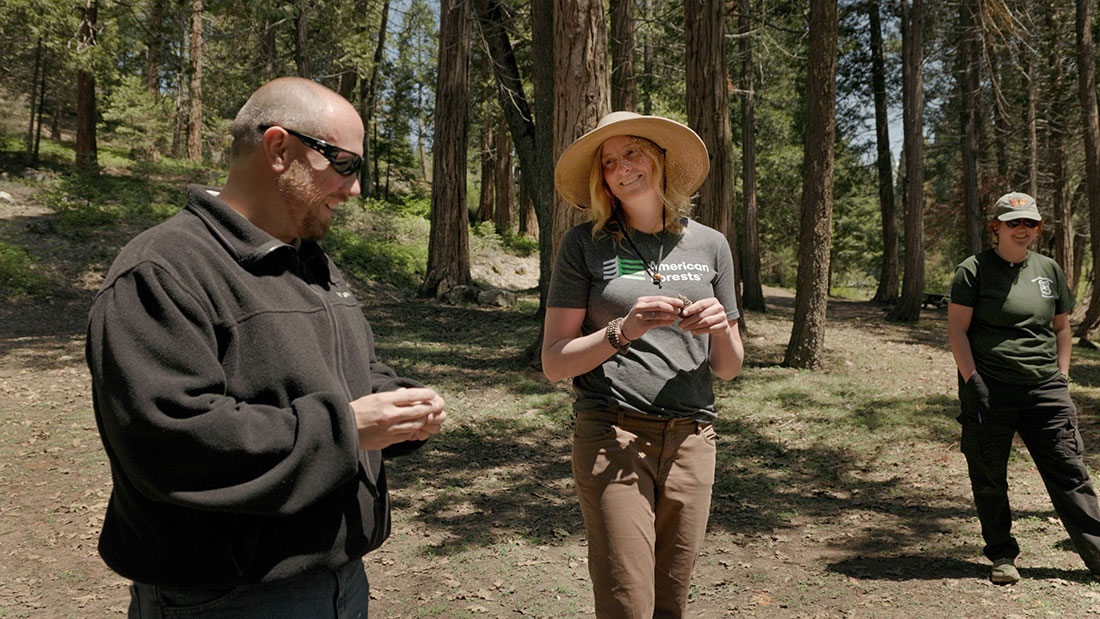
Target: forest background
(465, 116)
(114, 105)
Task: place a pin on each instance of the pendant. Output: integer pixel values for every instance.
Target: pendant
(657, 280)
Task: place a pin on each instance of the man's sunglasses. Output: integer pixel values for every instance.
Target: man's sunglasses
(346, 166)
(1030, 223)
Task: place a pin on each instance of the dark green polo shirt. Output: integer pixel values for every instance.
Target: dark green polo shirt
(1012, 331)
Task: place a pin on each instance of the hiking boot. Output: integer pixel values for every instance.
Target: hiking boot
(1004, 572)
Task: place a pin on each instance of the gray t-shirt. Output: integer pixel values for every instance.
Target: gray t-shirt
(666, 372)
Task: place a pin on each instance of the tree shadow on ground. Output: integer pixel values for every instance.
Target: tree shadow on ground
(920, 567)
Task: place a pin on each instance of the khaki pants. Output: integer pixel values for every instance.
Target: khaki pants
(644, 486)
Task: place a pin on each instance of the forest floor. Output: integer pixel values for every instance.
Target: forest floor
(840, 493)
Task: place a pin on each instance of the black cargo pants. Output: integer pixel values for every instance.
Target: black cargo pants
(1046, 419)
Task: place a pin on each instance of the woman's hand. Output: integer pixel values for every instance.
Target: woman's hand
(705, 316)
(650, 313)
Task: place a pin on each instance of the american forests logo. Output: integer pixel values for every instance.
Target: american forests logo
(632, 268)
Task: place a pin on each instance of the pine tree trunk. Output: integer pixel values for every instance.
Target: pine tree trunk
(968, 82)
(753, 289)
(1086, 68)
(887, 291)
(908, 307)
(504, 211)
(368, 95)
(87, 156)
(194, 134)
(488, 169)
(709, 114)
(153, 47)
(1062, 219)
(28, 158)
(301, 41)
(448, 242)
(532, 139)
(647, 60)
(623, 47)
(1032, 126)
(267, 49)
(542, 174)
(807, 345)
(581, 86)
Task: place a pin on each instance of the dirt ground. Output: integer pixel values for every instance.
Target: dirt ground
(485, 523)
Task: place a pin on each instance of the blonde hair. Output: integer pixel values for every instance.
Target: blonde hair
(605, 207)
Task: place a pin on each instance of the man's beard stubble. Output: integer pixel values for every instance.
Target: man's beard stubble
(304, 202)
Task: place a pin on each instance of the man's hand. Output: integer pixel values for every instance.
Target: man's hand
(394, 416)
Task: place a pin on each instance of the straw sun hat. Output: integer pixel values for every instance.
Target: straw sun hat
(686, 160)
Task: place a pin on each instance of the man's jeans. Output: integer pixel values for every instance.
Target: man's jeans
(338, 594)
(1046, 419)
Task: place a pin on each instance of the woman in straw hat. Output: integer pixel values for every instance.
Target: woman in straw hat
(1008, 322)
(641, 312)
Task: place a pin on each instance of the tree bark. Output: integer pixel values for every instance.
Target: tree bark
(41, 107)
(1032, 126)
(647, 61)
(807, 344)
(532, 140)
(87, 156)
(194, 133)
(1086, 79)
(448, 241)
(709, 114)
(267, 49)
(887, 291)
(1055, 166)
(1063, 218)
(968, 83)
(624, 94)
(28, 157)
(488, 168)
(153, 46)
(912, 17)
(504, 211)
(753, 289)
(528, 221)
(301, 41)
(581, 86)
(368, 95)
(541, 177)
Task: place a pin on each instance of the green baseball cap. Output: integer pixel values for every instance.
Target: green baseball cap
(1016, 205)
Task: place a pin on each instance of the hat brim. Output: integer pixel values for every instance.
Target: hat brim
(686, 158)
(1009, 216)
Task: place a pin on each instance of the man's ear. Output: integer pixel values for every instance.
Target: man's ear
(274, 145)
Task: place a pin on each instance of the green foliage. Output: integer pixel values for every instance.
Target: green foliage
(412, 205)
(376, 259)
(87, 202)
(18, 277)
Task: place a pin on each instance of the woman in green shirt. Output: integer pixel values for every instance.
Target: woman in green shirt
(1008, 322)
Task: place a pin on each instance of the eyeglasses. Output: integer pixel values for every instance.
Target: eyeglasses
(1030, 223)
(346, 166)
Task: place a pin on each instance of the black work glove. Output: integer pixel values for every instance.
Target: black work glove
(974, 397)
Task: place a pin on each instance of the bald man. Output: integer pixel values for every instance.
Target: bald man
(236, 388)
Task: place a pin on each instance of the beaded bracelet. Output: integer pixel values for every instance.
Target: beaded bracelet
(614, 331)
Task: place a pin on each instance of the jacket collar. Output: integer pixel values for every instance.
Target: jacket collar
(247, 243)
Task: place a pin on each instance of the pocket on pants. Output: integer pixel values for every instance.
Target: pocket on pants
(1069, 443)
(709, 435)
(588, 429)
(194, 601)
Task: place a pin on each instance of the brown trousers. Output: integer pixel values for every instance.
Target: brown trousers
(644, 485)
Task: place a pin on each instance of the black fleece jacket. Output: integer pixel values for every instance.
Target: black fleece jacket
(223, 365)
